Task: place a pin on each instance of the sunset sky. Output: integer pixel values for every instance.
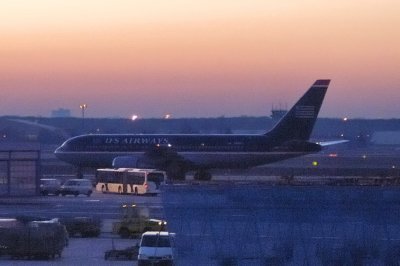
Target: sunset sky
(205, 58)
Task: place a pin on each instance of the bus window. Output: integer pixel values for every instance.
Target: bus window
(157, 178)
(135, 178)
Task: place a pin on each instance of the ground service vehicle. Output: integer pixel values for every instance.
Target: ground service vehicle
(155, 249)
(129, 253)
(76, 187)
(49, 186)
(83, 226)
(130, 180)
(134, 222)
(32, 239)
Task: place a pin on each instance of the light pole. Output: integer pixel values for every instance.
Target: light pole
(83, 108)
(344, 128)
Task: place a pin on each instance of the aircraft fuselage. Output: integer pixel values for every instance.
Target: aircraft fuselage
(210, 151)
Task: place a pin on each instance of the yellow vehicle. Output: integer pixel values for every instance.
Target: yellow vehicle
(133, 222)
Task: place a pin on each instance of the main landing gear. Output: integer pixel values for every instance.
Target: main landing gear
(176, 171)
(202, 175)
(79, 173)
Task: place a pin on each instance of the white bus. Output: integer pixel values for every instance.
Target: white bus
(129, 180)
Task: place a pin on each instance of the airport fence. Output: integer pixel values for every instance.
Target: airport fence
(254, 224)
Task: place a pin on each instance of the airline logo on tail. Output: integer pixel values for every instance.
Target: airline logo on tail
(310, 111)
(303, 111)
(321, 83)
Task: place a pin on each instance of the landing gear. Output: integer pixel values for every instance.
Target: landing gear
(79, 173)
(202, 175)
(176, 171)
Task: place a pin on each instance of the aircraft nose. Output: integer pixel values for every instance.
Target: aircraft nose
(58, 152)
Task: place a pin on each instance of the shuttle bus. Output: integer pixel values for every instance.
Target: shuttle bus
(129, 180)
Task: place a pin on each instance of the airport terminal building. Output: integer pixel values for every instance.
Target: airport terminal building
(20, 170)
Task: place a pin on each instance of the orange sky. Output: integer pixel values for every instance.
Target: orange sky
(198, 58)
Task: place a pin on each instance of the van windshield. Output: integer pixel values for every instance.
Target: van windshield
(48, 182)
(155, 241)
(77, 183)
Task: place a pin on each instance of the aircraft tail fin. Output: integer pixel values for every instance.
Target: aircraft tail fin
(299, 122)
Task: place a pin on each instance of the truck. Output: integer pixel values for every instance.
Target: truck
(83, 226)
(134, 222)
(32, 239)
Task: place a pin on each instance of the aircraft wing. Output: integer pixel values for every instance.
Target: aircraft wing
(332, 142)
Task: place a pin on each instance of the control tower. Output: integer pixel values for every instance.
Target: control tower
(278, 113)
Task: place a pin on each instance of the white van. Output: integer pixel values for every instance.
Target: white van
(76, 187)
(155, 249)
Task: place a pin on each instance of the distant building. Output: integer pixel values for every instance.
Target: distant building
(277, 114)
(61, 112)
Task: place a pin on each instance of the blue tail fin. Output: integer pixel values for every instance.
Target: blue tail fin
(299, 122)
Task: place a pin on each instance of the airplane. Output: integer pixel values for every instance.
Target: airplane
(179, 153)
